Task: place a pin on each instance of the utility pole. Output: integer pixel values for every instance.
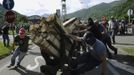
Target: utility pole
(64, 11)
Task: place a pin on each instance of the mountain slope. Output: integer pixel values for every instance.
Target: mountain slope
(1, 13)
(120, 11)
(103, 9)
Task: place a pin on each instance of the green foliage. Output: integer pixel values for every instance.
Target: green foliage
(120, 11)
(129, 50)
(4, 50)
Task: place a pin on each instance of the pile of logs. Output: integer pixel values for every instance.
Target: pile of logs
(49, 35)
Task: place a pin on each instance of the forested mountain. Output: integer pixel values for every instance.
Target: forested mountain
(116, 8)
(120, 11)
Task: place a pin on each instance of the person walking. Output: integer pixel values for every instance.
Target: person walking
(21, 40)
(107, 39)
(5, 36)
(113, 27)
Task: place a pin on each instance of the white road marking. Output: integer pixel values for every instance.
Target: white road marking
(3, 67)
(113, 62)
(29, 67)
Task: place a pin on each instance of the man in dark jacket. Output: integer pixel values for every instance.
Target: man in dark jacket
(5, 36)
(96, 48)
(21, 41)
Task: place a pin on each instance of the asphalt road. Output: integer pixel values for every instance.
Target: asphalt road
(33, 60)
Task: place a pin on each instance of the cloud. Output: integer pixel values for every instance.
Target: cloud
(32, 7)
(73, 5)
(36, 6)
(39, 7)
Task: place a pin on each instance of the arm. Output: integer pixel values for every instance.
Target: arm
(79, 31)
(76, 38)
(16, 41)
(14, 44)
(83, 31)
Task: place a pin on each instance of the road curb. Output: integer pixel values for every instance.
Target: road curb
(122, 66)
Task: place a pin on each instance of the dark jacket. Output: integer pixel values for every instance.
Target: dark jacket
(22, 43)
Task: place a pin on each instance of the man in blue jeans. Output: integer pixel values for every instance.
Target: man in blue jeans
(5, 36)
(21, 41)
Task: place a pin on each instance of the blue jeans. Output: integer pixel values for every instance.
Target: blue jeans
(113, 33)
(20, 55)
(99, 48)
(5, 39)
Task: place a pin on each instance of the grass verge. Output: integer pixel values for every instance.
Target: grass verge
(4, 51)
(129, 50)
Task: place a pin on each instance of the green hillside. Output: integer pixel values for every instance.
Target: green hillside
(116, 8)
(120, 11)
(2, 12)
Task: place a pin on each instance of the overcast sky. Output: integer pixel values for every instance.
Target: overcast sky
(40, 7)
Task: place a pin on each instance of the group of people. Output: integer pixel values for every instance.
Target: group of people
(96, 36)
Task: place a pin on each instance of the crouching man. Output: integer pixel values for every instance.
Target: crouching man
(21, 42)
(96, 48)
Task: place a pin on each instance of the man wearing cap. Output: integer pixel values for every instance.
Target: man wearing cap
(21, 42)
